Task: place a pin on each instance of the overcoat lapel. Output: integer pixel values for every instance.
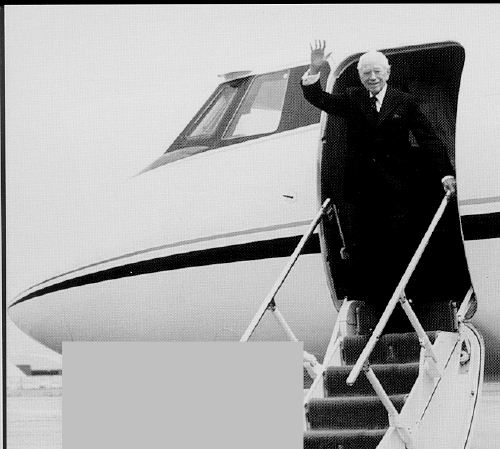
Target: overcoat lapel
(391, 100)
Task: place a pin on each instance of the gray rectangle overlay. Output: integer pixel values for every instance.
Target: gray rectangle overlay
(182, 395)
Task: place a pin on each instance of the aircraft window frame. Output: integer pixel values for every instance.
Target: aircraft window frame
(238, 85)
(237, 115)
(296, 113)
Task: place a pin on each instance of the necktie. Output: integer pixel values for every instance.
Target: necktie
(373, 104)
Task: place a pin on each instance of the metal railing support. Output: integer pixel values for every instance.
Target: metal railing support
(286, 270)
(281, 320)
(464, 307)
(377, 386)
(319, 373)
(462, 315)
(394, 416)
(333, 347)
(431, 359)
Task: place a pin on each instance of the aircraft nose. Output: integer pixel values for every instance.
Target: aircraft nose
(42, 324)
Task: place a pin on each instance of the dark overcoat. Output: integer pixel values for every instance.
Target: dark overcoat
(382, 165)
(394, 186)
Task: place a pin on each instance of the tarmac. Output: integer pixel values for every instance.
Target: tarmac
(34, 418)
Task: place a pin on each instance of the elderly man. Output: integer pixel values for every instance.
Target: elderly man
(392, 203)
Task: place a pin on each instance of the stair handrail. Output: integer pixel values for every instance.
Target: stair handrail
(466, 305)
(332, 349)
(399, 295)
(269, 300)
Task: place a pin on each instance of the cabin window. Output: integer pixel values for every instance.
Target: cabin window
(213, 116)
(260, 111)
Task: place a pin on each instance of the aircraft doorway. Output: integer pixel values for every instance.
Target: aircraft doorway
(432, 74)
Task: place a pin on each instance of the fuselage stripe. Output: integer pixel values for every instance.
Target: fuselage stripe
(475, 227)
(265, 249)
(175, 245)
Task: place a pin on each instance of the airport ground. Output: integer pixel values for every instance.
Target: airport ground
(34, 418)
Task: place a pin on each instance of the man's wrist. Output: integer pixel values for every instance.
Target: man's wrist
(314, 70)
(308, 78)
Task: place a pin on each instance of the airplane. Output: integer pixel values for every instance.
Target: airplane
(216, 244)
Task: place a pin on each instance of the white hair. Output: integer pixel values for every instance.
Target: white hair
(373, 57)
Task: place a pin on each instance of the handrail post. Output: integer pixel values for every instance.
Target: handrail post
(286, 270)
(466, 310)
(466, 304)
(431, 364)
(281, 320)
(394, 416)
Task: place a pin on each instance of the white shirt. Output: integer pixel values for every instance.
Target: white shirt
(380, 97)
(308, 79)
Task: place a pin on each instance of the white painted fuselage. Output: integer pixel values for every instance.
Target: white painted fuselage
(240, 196)
(191, 257)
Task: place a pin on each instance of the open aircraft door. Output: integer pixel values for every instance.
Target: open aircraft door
(432, 73)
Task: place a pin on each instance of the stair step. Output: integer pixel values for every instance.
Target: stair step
(343, 439)
(359, 412)
(391, 348)
(395, 378)
(353, 417)
(438, 315)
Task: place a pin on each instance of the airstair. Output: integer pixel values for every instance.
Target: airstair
(422, 364)
(405, 399)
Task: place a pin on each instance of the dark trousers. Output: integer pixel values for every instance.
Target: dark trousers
(382, 240)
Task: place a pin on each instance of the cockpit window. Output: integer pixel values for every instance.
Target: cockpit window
(242, 110)
(210, 121)
(260, 110)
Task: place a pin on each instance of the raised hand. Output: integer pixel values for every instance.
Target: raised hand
(318, 58)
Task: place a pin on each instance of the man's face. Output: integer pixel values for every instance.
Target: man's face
(374, 77)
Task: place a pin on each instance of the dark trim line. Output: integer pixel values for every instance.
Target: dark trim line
(481, 226)
(174, 245)
(475, 227)
(266, 249)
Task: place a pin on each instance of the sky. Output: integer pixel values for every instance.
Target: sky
(95, 93)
